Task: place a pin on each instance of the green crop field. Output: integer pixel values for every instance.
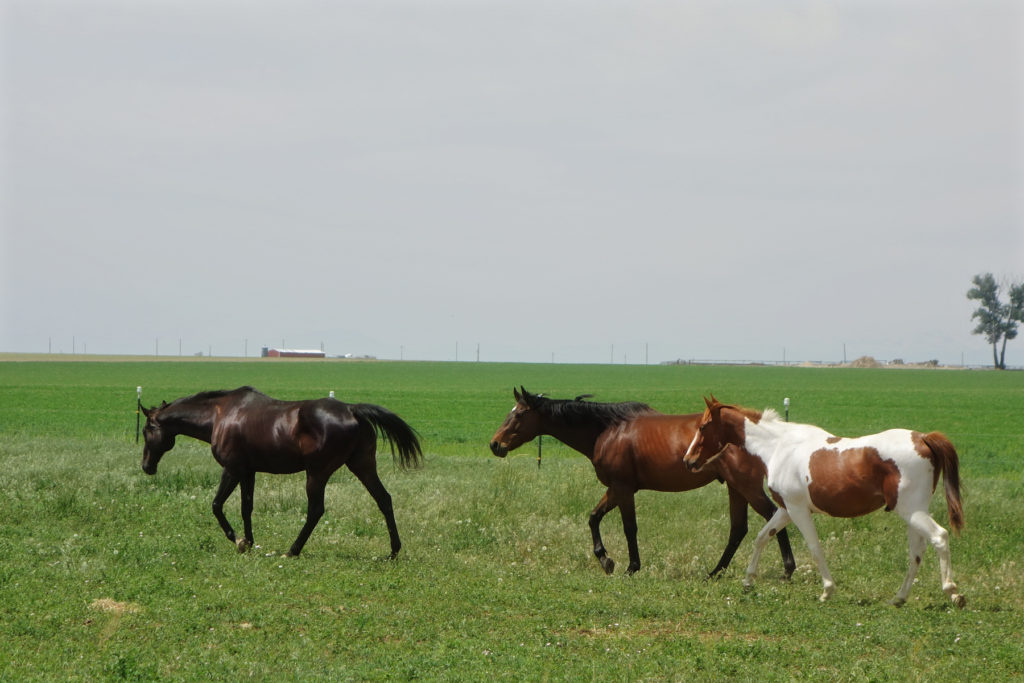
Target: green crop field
(107, 573)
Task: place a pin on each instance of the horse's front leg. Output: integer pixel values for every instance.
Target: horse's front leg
(606, 505)
(778, 521)
(315, 486)
(801, 516)
(763, 506)
(224, 490)
(752, 489)
(248, 485)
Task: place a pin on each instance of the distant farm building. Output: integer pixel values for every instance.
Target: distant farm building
(292, 353)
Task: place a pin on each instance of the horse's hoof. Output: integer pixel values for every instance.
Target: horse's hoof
(607, 564)
(243, 545)
(897, 602)
(959, 600)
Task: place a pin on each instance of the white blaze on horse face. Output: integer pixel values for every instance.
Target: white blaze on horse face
(689, 451)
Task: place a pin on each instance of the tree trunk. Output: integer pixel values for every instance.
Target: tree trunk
(1002, 356)
(995, 355)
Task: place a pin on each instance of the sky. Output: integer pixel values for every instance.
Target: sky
(509, 180)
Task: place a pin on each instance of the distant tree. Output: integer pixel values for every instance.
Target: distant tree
(997, 321)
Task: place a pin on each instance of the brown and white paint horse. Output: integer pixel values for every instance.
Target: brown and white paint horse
(809, 470)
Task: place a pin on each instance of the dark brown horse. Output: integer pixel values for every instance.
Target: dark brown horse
(250, 432)
(632, 447)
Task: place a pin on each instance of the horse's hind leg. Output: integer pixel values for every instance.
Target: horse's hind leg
(365, 469)
(627, 508)
(248, 486)
(315, 486)
(922, 522)
(915, 549)
(606, 505)
(224, 490)
(737, 529)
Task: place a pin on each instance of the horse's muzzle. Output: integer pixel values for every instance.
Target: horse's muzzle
(498, 449)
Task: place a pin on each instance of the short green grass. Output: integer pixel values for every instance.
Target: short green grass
(110, 574)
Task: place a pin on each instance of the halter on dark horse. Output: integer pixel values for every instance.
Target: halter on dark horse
(632, 447)
(250, 432)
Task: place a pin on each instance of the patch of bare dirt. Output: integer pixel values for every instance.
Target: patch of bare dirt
(115, 607)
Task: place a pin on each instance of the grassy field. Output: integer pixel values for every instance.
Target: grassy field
(108, 573)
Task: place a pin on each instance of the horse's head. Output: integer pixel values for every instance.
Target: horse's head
(520, 426)
(158, 440)
(709, 441)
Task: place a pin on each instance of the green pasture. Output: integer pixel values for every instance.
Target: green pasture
(106, 573)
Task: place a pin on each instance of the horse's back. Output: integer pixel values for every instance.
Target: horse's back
(277, 436)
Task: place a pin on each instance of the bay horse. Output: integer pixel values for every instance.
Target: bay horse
(809, 470)
(250, 432)
(632, 447)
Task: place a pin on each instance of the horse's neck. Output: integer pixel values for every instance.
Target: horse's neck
(578, 437)
(760, 438)
(768, 437)
(195, 421)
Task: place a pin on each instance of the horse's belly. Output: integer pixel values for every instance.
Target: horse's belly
(846, 502)
(852, 483)
(248, 459)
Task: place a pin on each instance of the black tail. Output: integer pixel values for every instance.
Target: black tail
(395, 431)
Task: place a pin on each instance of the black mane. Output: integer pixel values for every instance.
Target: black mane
(580, 412)
(220, 393)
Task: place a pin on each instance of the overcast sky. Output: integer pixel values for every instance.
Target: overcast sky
(583, 181)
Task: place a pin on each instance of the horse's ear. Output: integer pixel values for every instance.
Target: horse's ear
(519, 397)
(144, 411)
(709, 402)
(527, 397)
(163, 404)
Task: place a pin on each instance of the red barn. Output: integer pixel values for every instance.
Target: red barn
(292, 353)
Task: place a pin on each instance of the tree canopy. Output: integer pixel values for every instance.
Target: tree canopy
(997, 321)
